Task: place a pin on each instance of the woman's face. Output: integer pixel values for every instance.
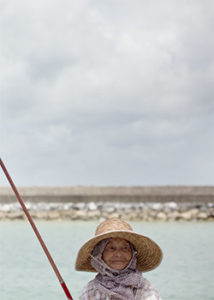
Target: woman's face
(117, 253)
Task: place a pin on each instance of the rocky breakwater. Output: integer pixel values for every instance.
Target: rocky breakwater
(134, 204)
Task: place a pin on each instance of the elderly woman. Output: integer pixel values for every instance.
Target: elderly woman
(119, 255)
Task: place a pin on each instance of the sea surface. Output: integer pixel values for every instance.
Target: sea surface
(186, 272)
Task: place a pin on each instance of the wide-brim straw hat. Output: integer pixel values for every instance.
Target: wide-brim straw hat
(149, 254)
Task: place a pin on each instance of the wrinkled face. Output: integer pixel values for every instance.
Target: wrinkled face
(117, 253)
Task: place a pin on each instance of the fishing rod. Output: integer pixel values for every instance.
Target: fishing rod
(63, 285)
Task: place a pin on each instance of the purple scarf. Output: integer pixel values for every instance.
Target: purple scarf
(116, 283)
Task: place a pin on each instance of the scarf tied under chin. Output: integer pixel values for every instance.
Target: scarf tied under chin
(118, 284)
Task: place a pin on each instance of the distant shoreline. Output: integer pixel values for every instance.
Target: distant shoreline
(86, 194)
(95, 203)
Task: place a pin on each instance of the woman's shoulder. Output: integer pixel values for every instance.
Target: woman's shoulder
(90, 293)
(148, 292)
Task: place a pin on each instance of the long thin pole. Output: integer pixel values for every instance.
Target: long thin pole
(63, 285)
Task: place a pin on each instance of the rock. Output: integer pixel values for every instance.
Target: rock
(100, 210)
(3, 215)
(156, 206)
(186, 216)
(43, 215)
(202, 216)
(171, 205)
(161, 216)
(194, 212)
(54, 215)
(92, 206)
(131, 216)
(16, 215)
(174, 215)
(94, 214)
(190, 214)
(114, 215)
(80, 214)
(109, 209)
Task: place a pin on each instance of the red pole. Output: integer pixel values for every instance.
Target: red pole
(63, 285)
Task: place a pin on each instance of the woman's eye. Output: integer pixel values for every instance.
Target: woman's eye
(126, 248)
(110, 248)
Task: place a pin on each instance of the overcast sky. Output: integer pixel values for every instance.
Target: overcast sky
(107, 92)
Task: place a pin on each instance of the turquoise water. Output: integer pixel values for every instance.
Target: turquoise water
(187, 270)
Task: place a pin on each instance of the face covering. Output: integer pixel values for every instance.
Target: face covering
(118, 283)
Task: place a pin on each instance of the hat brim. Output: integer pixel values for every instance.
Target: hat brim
(149, 254)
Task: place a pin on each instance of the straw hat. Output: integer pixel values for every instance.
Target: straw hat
(149, 254)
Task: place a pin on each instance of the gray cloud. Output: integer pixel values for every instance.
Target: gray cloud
(107, 92)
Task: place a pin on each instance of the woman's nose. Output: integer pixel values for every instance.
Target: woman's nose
(118, 254)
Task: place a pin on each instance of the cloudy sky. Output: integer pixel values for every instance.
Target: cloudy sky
(107, 92)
